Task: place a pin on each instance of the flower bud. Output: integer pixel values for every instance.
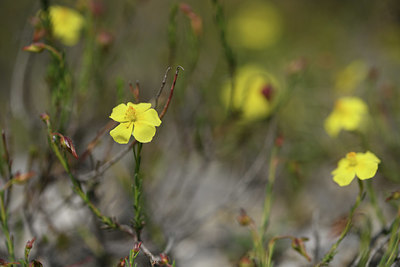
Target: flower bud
(164, 259)
(243, 218)
(29, 244)
(21, 178)
(136, 247)
(246, 262)
(298, 245)
(66, 143)
(34, 48)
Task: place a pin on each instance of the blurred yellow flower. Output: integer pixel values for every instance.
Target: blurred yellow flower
(254, 89)
(139, 120)
(67, 24)
(257, 25)
(350, 77)
(348, 114)
(362, 165)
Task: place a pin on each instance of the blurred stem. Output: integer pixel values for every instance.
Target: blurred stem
(268, 192)
(370, 189)
(137, 191)
(331, 253)
(229, 55)
(391, 253)
(374, 203)
(76, 184)
(172, 33)
(4, 224)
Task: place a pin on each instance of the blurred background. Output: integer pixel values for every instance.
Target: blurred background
(204, 163)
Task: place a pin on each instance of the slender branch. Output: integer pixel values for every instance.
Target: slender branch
(162, 86)
(171, 92)
(332, 251)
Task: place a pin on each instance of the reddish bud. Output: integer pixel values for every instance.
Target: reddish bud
(21, 178)
(96, 7)
(34, 48)
(393, 196)
(35, 263)
(267, 91)
(29, 244)
(66, 142)
(45, 118)
(279, 141)
(136, 247)
(122, 262)
(243, 218)
(105, 39)
(298, 245)
(164, 259)
(246, 262)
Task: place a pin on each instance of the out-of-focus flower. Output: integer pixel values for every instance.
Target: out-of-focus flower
(67, 24)
(139, 120)
(362, 165)
(255, 89)
(351, 76)
(256, 26)
(349, 114)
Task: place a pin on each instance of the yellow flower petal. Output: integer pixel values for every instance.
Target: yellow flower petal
(367, 165)
(143, 132)
(67, 24)
(150, 116)
(349, 114)
(362, 165)
(343, 176)
(122, 133)
(141, 107)
(118, 113)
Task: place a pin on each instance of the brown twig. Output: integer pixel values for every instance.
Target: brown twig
(171, 92)
(162, 86)
(96, 140)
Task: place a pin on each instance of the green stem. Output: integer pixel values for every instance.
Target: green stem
(374, 203)
(229, 55)
(331, 253)
(78, 188)
(137, 191)
(268, 193)
(391, 253)
(4, 224)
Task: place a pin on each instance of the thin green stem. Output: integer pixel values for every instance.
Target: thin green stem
(268, 193)
(390, 255)
(374, 203)
(229, 55)
(332, 251)
(6, 231)
(137, 191)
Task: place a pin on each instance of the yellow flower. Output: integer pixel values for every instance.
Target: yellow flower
(139, 120)
(67, 24)
(256, 26)
(362, 165)
(349, 114)
(351, 76)
(254, 89)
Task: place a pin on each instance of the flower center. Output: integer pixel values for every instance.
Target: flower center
(352, 158)
(130, 114)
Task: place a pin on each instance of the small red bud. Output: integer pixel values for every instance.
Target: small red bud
(21, 178)
(164, 259)
(279, 141)
(45, 118)
(66, 142)
(267, 91)
(104, 39)
(246, 262)
(136, 247)
(29, 244)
